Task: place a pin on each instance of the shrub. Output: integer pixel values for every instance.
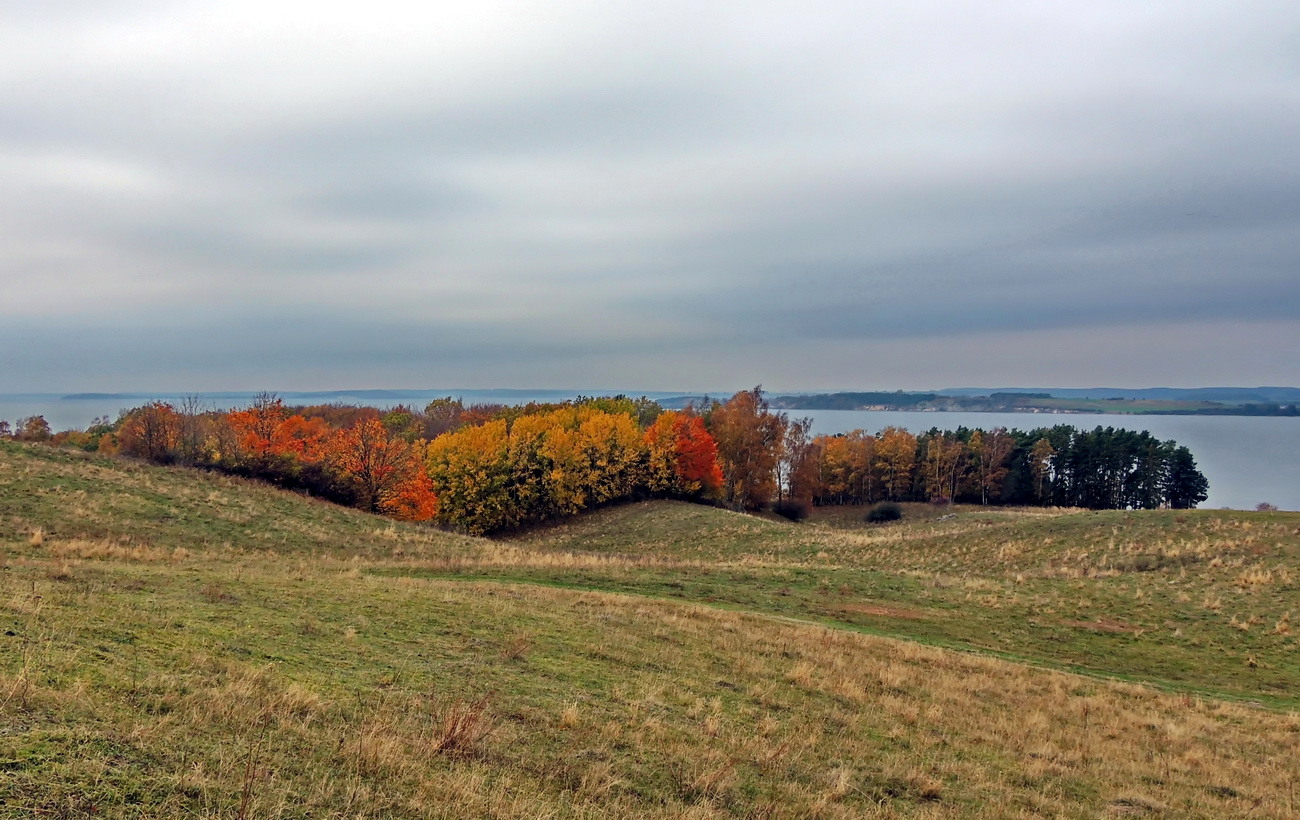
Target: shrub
(884, 511)
(1264, 506)
(792, 509)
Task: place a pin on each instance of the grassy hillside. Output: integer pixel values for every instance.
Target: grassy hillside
(1198, 601)
(181, 644)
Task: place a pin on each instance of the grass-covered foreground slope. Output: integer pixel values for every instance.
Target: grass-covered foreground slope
(1200, 601)
(174, 644)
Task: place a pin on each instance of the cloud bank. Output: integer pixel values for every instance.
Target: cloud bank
(658, 196)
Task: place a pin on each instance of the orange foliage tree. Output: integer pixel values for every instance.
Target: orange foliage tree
(152, 432)
(386, 470)
(33, 428)
(255, 427)
(301, 438)
(750, 441)
(846, 471)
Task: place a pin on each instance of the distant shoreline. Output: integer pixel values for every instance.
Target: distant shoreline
(1224, 401)
(1027, 403)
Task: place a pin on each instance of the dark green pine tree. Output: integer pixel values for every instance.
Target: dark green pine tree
(1144, 487)
(1184, 486)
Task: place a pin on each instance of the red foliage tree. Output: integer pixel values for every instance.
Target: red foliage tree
(697, 456)
(683, 457)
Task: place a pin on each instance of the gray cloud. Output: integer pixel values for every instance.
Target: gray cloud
(662, 196)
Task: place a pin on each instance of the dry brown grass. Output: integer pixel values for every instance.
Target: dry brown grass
(113, 550)
(505, 555)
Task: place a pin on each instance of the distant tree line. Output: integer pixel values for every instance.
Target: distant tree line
(1012, 402)
(1247, 409)
(480, 469)
(489, 468)
(1103, 468)
(767, 457)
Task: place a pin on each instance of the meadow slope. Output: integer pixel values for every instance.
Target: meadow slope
(175, 643)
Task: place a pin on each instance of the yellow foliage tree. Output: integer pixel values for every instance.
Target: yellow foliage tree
(945, 464)
(895, 458)
(470, 471)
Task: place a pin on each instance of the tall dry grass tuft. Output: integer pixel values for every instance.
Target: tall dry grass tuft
(571, 717)
(709, 779)
(106, 550)
(517, 647)
(461, 727)
(1255, 576)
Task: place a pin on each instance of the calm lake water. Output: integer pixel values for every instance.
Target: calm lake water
(1246, 459)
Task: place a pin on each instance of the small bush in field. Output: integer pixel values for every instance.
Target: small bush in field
(1264, 506)
(884, 511)
(792, 509)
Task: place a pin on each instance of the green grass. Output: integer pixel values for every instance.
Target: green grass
(181, 644)
(1191, 600)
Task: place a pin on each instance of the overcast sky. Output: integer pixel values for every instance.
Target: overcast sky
(648, 195)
